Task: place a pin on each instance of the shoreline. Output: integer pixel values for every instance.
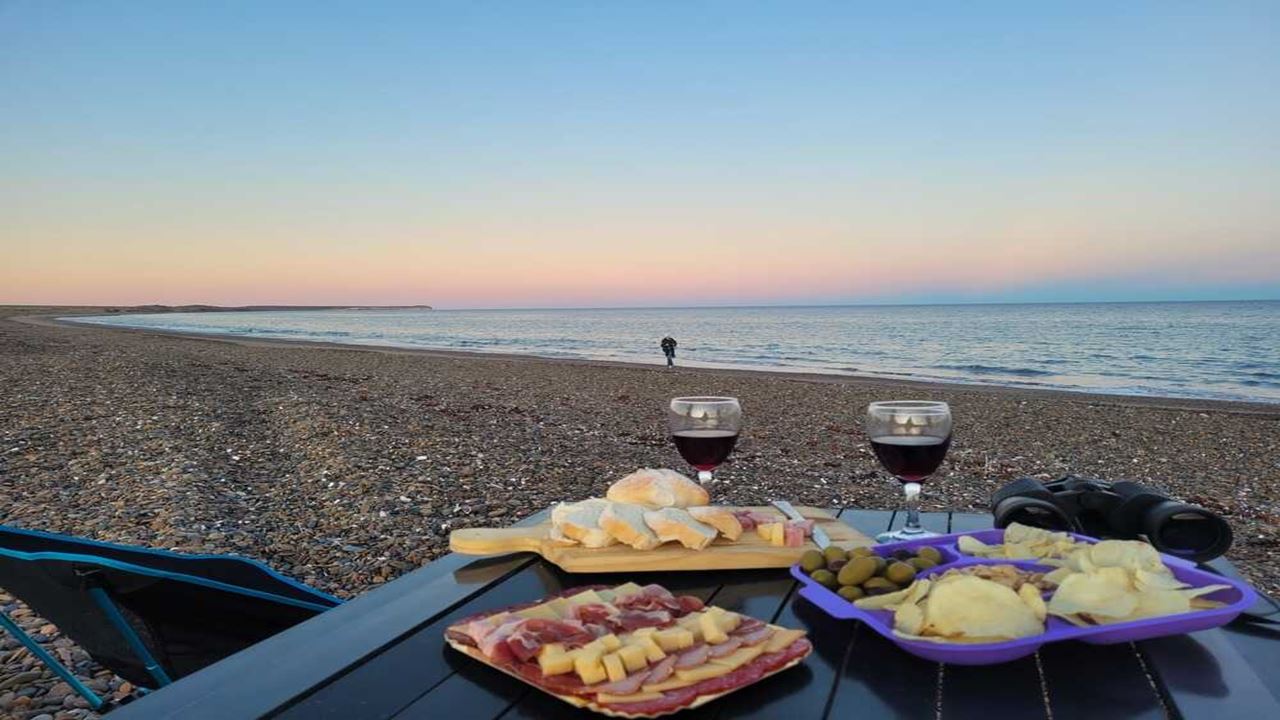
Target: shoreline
(1255, 407)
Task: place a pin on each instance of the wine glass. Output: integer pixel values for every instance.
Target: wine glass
(704, 429)
(910, 439)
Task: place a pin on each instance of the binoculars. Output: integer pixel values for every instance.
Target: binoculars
(1124, 510)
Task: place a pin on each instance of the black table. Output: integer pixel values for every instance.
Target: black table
(383, 655)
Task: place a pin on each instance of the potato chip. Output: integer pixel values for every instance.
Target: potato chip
(970, 545)
(971, 607)
(887, 601)
(908, 619)
(1106, 592)
(1023, 542)
(1030, 595)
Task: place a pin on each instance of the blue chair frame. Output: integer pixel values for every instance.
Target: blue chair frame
(91, 561)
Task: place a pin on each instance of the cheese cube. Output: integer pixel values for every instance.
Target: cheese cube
(725, 619)
(778, 535)
(644, 631)
(711, 631)
(781, 638)
(614, 668)
(673, 639)
(553, 660)
(765, 530)
(610, 642)
(652, 653)
(633, 657)
(705, 671)
(589, 667)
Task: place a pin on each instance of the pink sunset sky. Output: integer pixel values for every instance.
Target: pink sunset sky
(614, 156)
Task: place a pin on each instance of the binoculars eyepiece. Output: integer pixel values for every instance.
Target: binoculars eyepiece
(1124, 510)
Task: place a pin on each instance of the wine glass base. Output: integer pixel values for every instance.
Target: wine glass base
(902, 535)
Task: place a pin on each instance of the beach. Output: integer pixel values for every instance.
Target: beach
(347, 467)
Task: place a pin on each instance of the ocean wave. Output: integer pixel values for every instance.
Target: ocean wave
(996, 370)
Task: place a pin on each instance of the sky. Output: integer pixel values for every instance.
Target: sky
(551, 154)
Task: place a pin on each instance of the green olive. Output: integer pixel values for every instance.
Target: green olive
(932, 554)
(825, 578)
(903, 554)
(858, 552)
(857, 571)
(920, 563)
(881, 564)
(833, 553)
(812, 560)
(900, 573)
(851, 593)
(878, 586)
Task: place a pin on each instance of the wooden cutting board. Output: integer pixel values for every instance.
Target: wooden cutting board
(749, 551)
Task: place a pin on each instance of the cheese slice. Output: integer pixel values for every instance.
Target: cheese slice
(587, 597)
(781, 638)
(672, 683)
(542, 611)
(706, 671)
(740, 657)
(634, 697)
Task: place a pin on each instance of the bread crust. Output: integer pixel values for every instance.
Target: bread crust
(658, 488)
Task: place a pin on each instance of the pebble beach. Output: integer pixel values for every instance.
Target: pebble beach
(348, 467)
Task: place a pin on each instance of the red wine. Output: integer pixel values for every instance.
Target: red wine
(705, 449)
(910, 457)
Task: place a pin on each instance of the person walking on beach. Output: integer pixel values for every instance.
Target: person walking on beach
(669, 349)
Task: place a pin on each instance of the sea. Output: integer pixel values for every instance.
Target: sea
(1212, 350)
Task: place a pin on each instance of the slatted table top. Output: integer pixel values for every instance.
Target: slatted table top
(383, 655)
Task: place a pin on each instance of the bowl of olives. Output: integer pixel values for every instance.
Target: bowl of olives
(859, 572)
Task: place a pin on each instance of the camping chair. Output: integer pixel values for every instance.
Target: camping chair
(149, 616)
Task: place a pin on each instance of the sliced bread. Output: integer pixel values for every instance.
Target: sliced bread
(676, 524)
(721, 519)
(581, 522)
(625, 521)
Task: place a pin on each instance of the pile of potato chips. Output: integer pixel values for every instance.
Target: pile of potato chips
(1118, 581)
(1022, 542)
(962, 608)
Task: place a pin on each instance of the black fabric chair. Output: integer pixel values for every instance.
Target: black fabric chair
(150, 616)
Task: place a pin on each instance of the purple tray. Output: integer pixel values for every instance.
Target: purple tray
(1238, 598)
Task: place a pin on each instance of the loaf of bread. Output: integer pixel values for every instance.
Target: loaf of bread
(719, 518)
(658, 489)
(625, 522)
(675, 524)
(580, 521)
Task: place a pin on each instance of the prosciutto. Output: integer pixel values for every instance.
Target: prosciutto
(725, 647)
(693, 657)
(625, 686)
(655, 597)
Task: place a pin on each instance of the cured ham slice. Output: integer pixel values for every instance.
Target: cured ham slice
(663, 669)
(625, 686)
(725, 647)
(693, 657)
(603, 654)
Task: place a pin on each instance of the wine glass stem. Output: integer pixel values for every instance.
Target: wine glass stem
(912, 491)
(704, 476)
